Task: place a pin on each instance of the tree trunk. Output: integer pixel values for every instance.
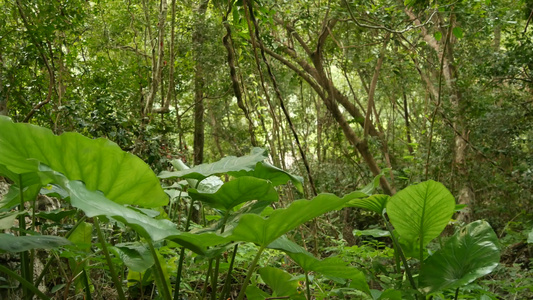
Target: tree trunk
(157, 67)
(199, 82)
(165, 108)
(228, 44)
(445, 54)
(3, 94)
(317, 78)
(199, 86)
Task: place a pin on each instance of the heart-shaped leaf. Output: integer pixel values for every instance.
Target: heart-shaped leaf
(469, 254)
(225, 165)
(331, 266)
(248, 165)
(281, 282)
(255, 293)
(136, 257)
(101, 164)
(237, 191)
(263, 231)
(274, 174)
(372, 232)
(420, 212)
(82, 236)
(12, 198)
(7, 219)
(95, 204)
(375, 203)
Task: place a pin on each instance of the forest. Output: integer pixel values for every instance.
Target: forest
(266, 149)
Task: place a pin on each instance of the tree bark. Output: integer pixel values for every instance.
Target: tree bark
(228, 44)
(3, 95)
(317, 78)
(445, 54)
(199, 82)
(42, 52)
(165, 108)
(157, 67)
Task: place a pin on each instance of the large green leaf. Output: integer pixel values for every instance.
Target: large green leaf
(12, 198)
(15, 244)
(100, 163)
(248, 165)
(27, 178)
(274, 174)
(237, 191)
(281, 282)
(469, 254)
(255, 293)
(225, 165)
(136, 256)
(420, 212)
(199, 242)
(263, 231)
(7, 219)
(82, 236)
(331, 266)
(95, 204)
(375, 203)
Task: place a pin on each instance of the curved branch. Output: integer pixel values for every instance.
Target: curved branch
(410, 27)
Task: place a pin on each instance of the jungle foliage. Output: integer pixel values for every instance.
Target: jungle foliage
(262, 149)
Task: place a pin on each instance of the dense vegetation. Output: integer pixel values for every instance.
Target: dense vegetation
(337, 149)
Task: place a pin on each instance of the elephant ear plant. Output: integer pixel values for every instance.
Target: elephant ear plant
(109, 186)
(98, 178)
(416, 216)
(241, 221)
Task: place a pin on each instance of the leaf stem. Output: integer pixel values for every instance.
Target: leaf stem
(207, 275)
(401, 254)
(160, 276)
(182, 253)
(214, 278)
(24, 257)
(114, 276)
(86, 285)
(227, 284)
(308, 290)
(251, 269)
(28, 285)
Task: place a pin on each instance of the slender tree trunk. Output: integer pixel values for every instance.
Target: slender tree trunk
(42, 52)
(157, 67)
(407, 125)
(215, 127)
(3, 94)
(198, 38)
(228, 44)
(251, 17)
(450, 76)
(199, 82)
(165, 107)
(316, 77)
